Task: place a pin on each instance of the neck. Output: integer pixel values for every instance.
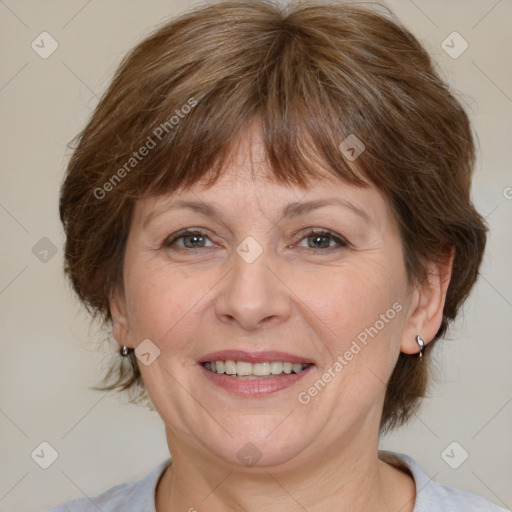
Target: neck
(348, 476)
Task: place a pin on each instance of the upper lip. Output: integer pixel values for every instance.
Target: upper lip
(253, 357)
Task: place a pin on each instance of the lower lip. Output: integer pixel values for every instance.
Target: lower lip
(255, 387)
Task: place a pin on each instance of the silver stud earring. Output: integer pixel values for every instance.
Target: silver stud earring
(421, 342)
(124, 351)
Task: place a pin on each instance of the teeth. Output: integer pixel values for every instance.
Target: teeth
(261, 368)
(247, 370)
(243, 368)
(230, 367)
(297, 368)
(276, 368)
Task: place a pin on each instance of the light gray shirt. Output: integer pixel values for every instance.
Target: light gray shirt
(139, 496)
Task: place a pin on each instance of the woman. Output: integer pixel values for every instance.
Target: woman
(272, 211)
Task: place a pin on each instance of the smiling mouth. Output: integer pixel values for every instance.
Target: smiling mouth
(250, 371)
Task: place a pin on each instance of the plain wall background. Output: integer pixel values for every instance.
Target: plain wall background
(49, 354)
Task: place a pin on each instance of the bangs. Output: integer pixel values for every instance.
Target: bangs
(190, 136)
(300, 154)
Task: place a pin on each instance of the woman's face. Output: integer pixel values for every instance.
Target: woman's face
(255, 285)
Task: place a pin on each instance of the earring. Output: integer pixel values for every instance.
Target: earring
(124, 351)
(421, 342)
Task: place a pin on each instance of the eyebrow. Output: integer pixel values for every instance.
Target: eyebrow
(290, 211)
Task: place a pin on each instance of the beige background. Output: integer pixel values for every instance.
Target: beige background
(49, 356)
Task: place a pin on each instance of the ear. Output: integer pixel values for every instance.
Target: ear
(119, 319)
(426, 309)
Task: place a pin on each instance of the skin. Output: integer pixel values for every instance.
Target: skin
(294, 298)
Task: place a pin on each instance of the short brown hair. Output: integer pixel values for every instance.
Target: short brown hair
(312, 73)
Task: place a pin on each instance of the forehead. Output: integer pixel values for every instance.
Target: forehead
(238, 196)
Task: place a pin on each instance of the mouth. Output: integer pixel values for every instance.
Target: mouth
(251, 371)
(254, 374)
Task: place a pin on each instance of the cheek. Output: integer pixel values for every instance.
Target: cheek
(349, 300)
(163, 301)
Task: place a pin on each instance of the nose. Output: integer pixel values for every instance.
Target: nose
(252, 295)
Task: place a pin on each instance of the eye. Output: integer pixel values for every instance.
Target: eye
(192, 239)
(321, 239)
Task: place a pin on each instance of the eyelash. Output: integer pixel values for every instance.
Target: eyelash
(342, 244)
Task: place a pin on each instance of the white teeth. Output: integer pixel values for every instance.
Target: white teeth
(243, 368)
(247, 370)
(230, 367)
(297, 368)
(261, 369)
(276, 367)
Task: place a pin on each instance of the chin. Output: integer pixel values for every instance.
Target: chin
(262, 444)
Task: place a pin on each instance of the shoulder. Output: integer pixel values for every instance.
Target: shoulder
(126, 497)
(432, 496)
